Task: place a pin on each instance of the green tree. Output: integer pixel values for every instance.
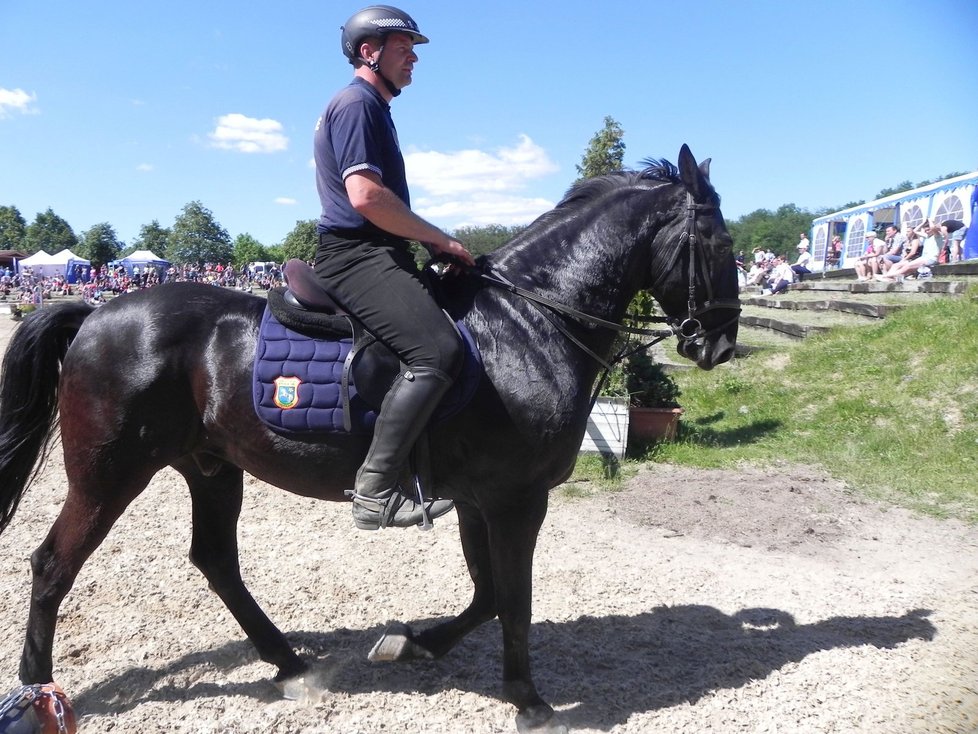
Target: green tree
(776, 231)
(50, 233)
(485, 239)
(13, 229)
(247, 249)
(275, 253)
(151, 237)
(100, 244)
(302, 241)
(899, 188)
(605, 152)
(196, 237)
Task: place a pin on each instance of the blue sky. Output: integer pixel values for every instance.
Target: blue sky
(123, 112)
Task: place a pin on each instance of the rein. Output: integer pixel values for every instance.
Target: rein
(494, 278)
(689, 328)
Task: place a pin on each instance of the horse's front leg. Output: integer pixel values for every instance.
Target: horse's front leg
(512, 541)
(400, 643)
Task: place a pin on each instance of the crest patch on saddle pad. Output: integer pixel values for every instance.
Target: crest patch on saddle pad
(286, 392)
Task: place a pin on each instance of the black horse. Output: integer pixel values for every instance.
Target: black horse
(161, 378)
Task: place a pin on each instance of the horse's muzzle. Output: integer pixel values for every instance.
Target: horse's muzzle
(708, 352)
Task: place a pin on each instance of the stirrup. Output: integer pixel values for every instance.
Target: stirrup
(387, 508)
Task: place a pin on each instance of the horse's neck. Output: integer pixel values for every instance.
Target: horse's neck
(589, 272)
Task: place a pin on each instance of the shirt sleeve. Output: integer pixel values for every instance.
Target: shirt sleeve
(355, 140)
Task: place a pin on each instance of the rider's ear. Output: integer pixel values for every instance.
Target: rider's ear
(368, 47)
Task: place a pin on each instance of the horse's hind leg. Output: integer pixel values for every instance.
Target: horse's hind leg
(214, 550)
(85, 519)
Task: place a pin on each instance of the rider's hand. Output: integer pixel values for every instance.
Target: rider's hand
(456, 250)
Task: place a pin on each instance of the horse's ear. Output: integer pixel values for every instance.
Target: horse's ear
(705, 168)
(691, 175)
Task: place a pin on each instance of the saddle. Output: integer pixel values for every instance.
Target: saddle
(318, 370)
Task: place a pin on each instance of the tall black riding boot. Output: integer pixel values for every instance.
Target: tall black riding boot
(378, 502)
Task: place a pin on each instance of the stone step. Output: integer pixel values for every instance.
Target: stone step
(927, 285)
(871, 310)
(967, 268)
(794, 330)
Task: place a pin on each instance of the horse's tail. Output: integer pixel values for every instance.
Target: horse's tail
(29, 396)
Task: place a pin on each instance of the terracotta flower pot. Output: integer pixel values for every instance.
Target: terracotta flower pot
(653, 424)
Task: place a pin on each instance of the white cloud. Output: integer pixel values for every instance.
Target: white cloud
(144, 167)
(476, 187)
(463, 171)
(286, 201)
(16, 100)
(483, 209)
(248, 135)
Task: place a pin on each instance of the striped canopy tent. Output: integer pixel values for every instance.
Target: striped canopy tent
(952, 198)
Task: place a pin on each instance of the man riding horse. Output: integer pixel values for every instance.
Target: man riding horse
(364, 258)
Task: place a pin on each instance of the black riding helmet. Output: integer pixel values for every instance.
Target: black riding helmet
(377, 20)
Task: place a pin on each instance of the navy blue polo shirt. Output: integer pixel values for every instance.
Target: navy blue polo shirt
(355, 133)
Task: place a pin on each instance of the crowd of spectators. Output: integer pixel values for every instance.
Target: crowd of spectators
(773, 273)
(892, 256)
(912, 252)
(96, 285)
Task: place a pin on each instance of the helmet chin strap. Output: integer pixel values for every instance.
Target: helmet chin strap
(374, 66)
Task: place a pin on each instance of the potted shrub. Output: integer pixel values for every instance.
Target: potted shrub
(653, 395)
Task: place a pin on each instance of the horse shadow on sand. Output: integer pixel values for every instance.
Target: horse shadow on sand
(587, 667)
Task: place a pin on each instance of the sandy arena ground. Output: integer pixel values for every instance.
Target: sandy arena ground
(691, 601)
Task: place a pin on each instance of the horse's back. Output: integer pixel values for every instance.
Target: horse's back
(147, 367)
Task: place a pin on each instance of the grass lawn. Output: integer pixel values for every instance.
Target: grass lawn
(889, 407)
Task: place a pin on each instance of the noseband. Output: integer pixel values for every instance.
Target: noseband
(690, 328)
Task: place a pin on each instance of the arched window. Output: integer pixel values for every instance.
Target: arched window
(818, 246)
(950, 208)
(855, 241)
(912, 216)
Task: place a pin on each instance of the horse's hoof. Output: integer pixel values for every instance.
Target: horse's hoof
(398, 645)
(306, 687)
(539, 720)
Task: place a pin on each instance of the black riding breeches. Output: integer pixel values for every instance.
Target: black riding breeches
(378, 282)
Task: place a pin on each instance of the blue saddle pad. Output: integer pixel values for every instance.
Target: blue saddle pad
(298, 382)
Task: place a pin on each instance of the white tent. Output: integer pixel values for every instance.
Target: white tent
(142, 259)
(947, 199)
(64, 263)
(38, 258)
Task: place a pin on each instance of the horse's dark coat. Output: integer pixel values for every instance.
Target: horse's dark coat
(162, 377)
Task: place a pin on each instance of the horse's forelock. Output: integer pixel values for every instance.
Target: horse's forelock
(659, 169)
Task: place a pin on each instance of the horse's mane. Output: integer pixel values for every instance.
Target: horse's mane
(588, 190)
(656, 169)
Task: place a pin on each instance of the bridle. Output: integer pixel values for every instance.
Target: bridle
(691, 328)
(687, 329)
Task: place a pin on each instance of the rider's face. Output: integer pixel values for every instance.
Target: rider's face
(398, 59)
